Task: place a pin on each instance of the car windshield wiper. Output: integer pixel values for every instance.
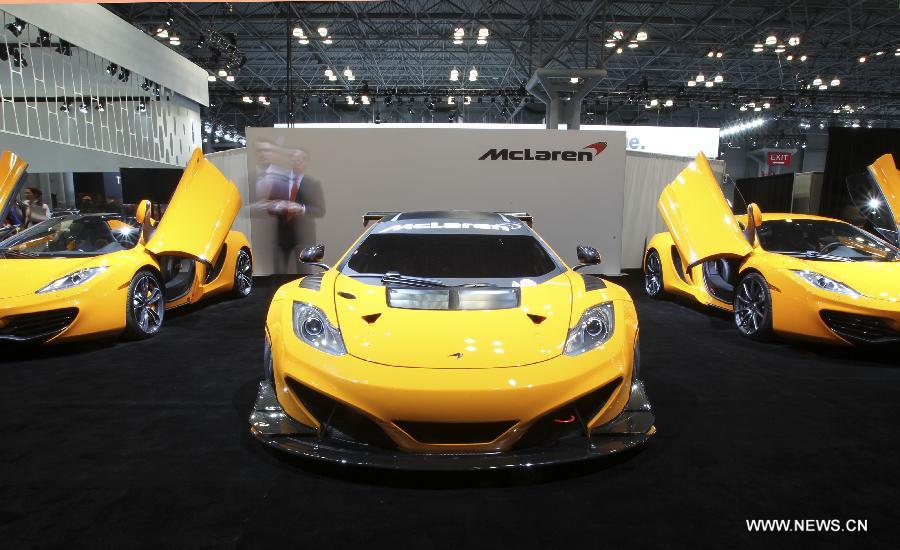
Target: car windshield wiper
(19, 253)
(392, 277)
(815, 255)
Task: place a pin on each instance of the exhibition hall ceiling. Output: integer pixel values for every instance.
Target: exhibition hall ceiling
(697, 62)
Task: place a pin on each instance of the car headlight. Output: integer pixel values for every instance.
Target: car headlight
(593, 329)
(825, 283)
(73, 279)
(312, 326)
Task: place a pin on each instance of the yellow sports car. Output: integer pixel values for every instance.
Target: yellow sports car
(80, 276)
(801, 276)
(453, 339)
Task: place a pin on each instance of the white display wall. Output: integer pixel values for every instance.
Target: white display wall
(397, 169)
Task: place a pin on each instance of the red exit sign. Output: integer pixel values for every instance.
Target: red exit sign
(779, 159)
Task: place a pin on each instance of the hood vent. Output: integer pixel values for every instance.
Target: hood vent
(312, 282)
(453, 299)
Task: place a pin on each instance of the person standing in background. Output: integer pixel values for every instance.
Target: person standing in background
(36, 210)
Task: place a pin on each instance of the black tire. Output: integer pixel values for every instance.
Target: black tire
(653, 275)
(145, 308)
(243, 274)
(753, 307)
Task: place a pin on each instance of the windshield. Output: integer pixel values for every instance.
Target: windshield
(73, 236)
(451, 256)
(823, 239)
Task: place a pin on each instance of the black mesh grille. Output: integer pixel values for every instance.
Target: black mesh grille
(861, 328)
(447, 433)
(338, 420)
(36, 326)
(592, 282)
(567, 420)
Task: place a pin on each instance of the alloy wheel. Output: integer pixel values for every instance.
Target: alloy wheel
(243, 274)
(750, 306)
(147, 304)
(653, 274)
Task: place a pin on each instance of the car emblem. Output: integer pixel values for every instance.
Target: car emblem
(457, 355)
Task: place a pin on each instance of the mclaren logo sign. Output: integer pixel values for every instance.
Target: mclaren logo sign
(540, 154)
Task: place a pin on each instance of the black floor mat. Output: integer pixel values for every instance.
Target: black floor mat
(145, 444)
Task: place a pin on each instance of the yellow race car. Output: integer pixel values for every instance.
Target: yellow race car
(451, 340)
(801, 276)
(79, 276)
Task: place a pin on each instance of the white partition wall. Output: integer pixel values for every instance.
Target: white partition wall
(572, 182)
(645, 176)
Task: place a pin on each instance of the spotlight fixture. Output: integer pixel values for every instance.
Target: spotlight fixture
(162, 33)
(101, 107)
(174, 40)
(473, 74)
(222, 73)
(467, 100)
(211, 78)
(454, 74)
(794, 41)
(789, 57)
(229, 78)
(327, 40)
(835, 82)
(574, 80)
(247, 99)
(348, 72)
(65, 107)
(83, 108)
(146, 85)
(124, 74)
(802, 58)
(669, 103)
(112, 69)
(304, 103)
(298, 32)
(757, 48)
(718, 79)
(692, 83)
(641, 36)
(350, 100)
(141, 107)
(709, 84)
(303, 41)
(700, 77)
(863, 59)
(817, 81)
(44, 38)
(322, 30)
(618, 50)
(771, 40)
(16, 27)
(365, 99)
(329, 72)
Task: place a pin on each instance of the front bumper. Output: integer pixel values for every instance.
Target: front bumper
(631, 428)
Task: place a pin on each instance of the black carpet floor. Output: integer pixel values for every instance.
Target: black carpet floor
(146, 445)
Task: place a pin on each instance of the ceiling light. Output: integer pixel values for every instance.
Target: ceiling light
(247, 99)
(718, 79)
(641, 36)
(771, 40)
(327, 40)
(669, 103)
(303, 41)
(757, 109)
(835, 82)
(365, 99)
(862, 59)
(454, 74)
(573, 80)
(481, 41)
(711, 54)
(459, 32)
(757, 49)
(229, 78)
(692, 83)
(483, 32)
(817, 81)
(261, 99)
(351, 78)
(211, 78)
(162, 33)
(223, 73)
(794, 41)
(766, 105)
(298, 32)
(823, 87)
(332, 78)
(348, 72)
(743, 108)
(780, 48)
(174, 40)
(473, 75)
(329, 72)
(789, 57)
(654, 102)
(323, 31)
(451, 100)
(350, 100)
(632, 44)
(802, 58)
(618, 50)
(618, 35)
(16, 27)
(613, 45)
(879, 53)
(709, 84)
(700, 77)
(719, 54)
(457, 41)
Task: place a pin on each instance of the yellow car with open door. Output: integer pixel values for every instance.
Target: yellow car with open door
(86, 275)
(451, 340)
(800, 276)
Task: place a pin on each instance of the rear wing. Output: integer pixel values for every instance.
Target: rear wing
(375, 216)
(524, 217)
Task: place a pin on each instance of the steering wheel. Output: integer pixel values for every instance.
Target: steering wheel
(830, 247)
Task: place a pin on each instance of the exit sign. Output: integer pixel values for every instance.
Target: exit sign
(779, 159)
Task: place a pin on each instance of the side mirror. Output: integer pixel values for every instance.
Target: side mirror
(587, 255)
(313, 255)
(754, 220)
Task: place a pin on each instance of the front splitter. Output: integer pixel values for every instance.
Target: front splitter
(272, 426)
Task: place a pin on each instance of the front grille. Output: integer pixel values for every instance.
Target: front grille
(36, 326)
(569, 420)
(448, 433)
(338, 420)
(861, 328)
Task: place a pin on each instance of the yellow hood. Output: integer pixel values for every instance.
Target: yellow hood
(22, 276)
(375, 332)
(873, 279)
